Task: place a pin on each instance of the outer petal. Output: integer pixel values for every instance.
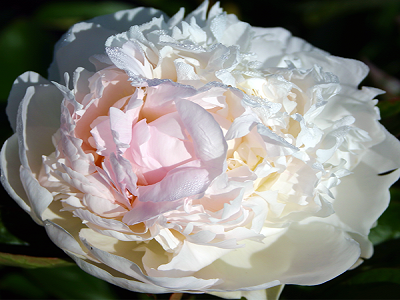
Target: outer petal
(271, 293)
(17, 93)
(39, 112)
(86, 39)
(363, 196)
(73, 50)
(349, 71)
(124, 19)
(10, 165)
(131, 269)
(117, 278)
(63, 239)
(304, 254)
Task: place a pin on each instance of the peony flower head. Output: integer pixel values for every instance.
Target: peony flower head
(199, 154)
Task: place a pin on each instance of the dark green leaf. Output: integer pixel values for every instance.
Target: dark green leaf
(25, 261)
(53, 283)
(70, 283)
(18, 284)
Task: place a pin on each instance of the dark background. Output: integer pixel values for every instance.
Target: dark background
(367, 30)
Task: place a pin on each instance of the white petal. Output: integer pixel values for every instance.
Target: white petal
(129, 268)
(269, 43)
(10, 165)
(39, 112)
(209, 141)
(73, 50)
(304, 254)
(199, 256)
(63, 239)
(351, 72)
(103, 207)
(118, 279)
(271, 293)
(178, 183)
(86, 39)
(199, 13)
(17, 93)
(87, 216)
(144, 211)
(124, 19)
(363, 196)
(39, 197)
(130, 58)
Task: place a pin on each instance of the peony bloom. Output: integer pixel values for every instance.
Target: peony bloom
(199, 154)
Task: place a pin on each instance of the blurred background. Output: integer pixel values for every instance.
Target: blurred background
(367, 30)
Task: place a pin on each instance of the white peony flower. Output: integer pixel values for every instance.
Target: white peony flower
(199, 154)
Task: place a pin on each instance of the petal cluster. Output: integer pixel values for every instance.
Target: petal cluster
(199, 154)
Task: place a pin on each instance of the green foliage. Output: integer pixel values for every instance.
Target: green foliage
(59, 283)
(31, 262)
